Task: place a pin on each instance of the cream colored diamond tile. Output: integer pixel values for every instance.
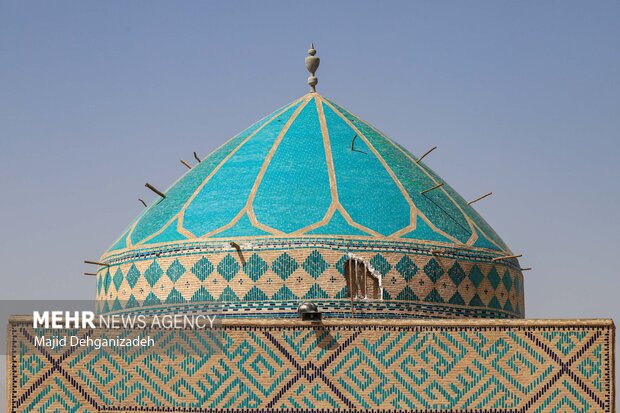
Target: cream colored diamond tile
(162, 288)
(467, 289)
(215, 284)
(486, 291)
(300, 282)
(445, 286)
(421, 285)
(141, 290)
(187, 285)
(332, 282)
(241, 284)
(270, 283)
(501, 294)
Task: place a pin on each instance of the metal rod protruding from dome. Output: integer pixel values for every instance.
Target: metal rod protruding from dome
(526, 269)
(91, 274)
(103, 264)
(197, 158)
(430, 189)
(186, 164)
(506, 257)
(142, 200)
(426, 153)
(479, 198)
(157, 191)
(312, 64)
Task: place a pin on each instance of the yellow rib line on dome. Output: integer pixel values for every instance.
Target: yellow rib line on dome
(473, 226)
(414, 211)
(333, 187)
(412, 208)
(178, 180)
(128, 239)
(248, 205)
(470, 222)
(404, 231)
(180, 215)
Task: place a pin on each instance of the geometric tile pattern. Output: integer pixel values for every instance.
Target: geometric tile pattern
(396, 366)
(296, 173)
(455, 286)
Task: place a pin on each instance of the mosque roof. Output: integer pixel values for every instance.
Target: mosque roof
(311, 168)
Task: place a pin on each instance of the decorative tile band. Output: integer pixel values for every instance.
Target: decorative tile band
(274, 279)
(341, 365)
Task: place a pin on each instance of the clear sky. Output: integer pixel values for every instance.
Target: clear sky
(522, 99)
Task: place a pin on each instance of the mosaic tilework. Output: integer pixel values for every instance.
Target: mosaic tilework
(268, 279)
(278, 366)
(298, 172)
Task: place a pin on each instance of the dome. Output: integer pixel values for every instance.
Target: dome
(311, 203)
(311, 169)
(314, 179)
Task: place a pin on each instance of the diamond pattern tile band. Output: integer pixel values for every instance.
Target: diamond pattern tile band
(274, 278)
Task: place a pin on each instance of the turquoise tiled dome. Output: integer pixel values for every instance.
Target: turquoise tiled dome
(310, 169)
(285, 210)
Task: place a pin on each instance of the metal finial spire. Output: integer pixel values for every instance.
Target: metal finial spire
(312, 64)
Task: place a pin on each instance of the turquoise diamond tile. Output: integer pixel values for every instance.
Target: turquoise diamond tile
(407, 294)
(433, 270)
(316, 292)
(456, 274)
(152, 299)
(507, 280)
(202, 268)
(153, 273)
(476, 301)
(202, 295)
(107, 281)
(132, 302)
(434, 297)
(340, 264)
(315, 265)
(228, 267)
(174, 297)
(132, 275)
(284, 293)
(228, 295)
(407, 268)
(476, 276)
(456, 299)
(99, 283)
(255, 267)
(380, 264)
(284, 266)
(494, 277)
(256, 294)
(118, 278)
(494, 303)
(517, 284)
(175, 270)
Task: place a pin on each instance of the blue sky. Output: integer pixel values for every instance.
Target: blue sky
(522, 99)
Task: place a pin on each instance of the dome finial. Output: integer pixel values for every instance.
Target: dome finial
(312, 64)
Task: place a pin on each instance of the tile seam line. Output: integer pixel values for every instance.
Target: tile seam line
(414, 210)
(473, 226)
(258, 179)
(470, 223)
(181, 211)
(279, 113)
